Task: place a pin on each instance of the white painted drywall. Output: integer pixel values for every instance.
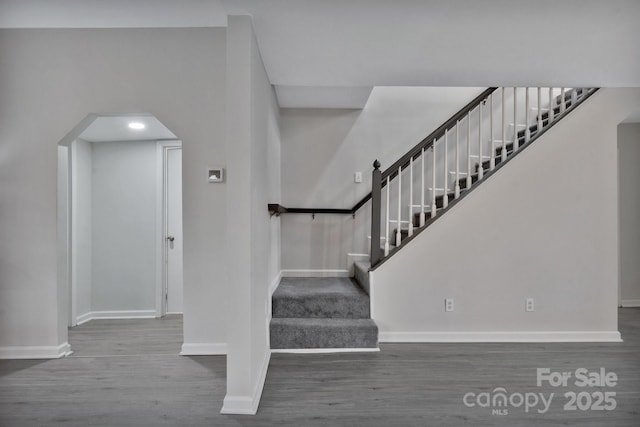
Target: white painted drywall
(124, 226)
(55, 78)
(629, 182)
(531, 231)
(252, 236)
(82, 228)
(321, 150)
(64, 246)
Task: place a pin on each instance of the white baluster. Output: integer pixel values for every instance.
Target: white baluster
(398, 233)
(445, 197)
(480, 158)
(574, 96)
(492, 160)
(469, 149)
(516, 141)
(551, 106)
(411, 196)
(563, 105)
(422, 215)
(386, 219)
(456, 190)
(527, 131)
(539, 109)
(503, 154)
(433, 180)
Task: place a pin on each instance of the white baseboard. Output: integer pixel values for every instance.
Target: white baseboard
(466, 337)
(274, 283)
(247, 405)
(630, 303)
(203, 349)
(324, 350)
(128, 314)
(35, 352)
(315, 273)
(84, 318)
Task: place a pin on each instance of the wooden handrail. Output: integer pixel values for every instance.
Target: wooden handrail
(392, 171)
(277, 209)
(427, 142)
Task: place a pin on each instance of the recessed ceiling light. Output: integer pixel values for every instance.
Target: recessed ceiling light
(136, 125)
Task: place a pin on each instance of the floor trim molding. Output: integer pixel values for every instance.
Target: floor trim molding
(315, 273)
(630, 303)
(247, 405)
(35, 352)
(274, 283)
(204, 349)
(532, 336)
(125, 314)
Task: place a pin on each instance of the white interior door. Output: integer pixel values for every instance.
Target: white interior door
(173, 231)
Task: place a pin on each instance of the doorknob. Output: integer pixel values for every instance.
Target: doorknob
(170, 238)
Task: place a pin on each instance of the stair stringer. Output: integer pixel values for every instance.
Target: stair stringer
(544, 226)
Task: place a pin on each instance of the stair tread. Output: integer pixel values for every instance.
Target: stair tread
(319, 297)
(316, 286)
(323, 322)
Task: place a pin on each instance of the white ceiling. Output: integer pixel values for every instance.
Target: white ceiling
(327, 52)
(111, 13)
(115, 128)
(447, 42)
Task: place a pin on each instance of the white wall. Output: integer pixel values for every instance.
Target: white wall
(124, 226)
(64, 243)
(321, 150)
(252, 236)
(51, 80)
(82, 224)
(629, 182)
(531, 231)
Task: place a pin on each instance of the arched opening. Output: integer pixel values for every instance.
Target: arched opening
(120, 220)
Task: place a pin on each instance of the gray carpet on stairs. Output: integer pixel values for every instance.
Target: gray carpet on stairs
(361, 269)
(320, 297)
(297, 333)
(328, 312)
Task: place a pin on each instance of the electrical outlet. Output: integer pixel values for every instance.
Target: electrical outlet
(448, 304)
(357, 177)
(529, 305)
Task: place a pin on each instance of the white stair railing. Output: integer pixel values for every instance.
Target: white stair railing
(550, 104)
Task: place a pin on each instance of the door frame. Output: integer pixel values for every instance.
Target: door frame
(162, 148)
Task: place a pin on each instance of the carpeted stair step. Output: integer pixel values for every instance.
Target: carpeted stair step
(320, 297)
(300, 333)
(361, 269)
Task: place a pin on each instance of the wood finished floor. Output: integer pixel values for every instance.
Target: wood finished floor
(128, 373)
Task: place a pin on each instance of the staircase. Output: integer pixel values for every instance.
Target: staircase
(449, 163)
(315, 313)
(406, 198)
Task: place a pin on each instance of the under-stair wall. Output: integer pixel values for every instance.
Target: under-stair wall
(542, 227)
(321, 150)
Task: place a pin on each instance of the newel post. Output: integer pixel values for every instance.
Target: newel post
(376, 196)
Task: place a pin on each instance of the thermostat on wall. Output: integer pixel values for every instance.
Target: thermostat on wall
(216, 175)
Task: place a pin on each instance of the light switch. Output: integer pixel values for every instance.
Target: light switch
(215, 175)
(357, 177)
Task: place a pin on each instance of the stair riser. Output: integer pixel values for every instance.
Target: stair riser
(300, 337)
(322, 306)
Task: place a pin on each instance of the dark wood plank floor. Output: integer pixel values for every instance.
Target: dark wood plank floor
(128, 373)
